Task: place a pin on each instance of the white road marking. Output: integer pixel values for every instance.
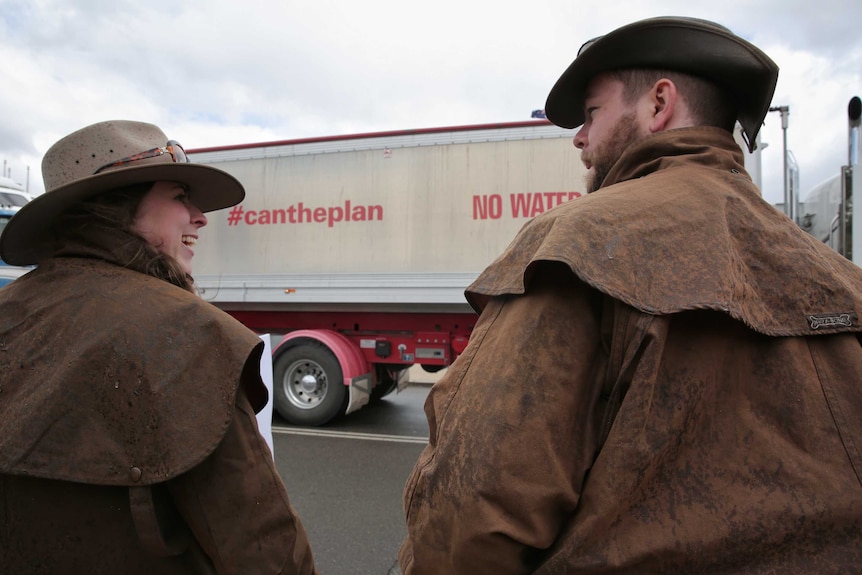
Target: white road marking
(349, 435)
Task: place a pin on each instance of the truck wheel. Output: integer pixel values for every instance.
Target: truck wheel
(308, 385)
(387, 381)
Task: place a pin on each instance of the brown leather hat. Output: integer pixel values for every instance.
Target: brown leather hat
(689, 45)
(99, 158)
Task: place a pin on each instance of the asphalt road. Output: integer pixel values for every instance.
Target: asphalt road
(346, 481)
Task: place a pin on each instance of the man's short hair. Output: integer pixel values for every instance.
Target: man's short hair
(708, 104)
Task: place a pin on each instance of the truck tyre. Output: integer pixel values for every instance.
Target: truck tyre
(308, 385)
(387, 381)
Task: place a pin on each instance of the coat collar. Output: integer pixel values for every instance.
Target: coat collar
(705, 146)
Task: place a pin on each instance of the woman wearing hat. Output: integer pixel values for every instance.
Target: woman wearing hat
(128, 439)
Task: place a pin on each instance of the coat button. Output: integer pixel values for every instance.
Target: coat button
(135, 473)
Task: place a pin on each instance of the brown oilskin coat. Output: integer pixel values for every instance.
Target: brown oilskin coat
(127, 444)
(665, 378)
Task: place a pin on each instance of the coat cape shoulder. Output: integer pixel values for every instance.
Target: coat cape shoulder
(685, 229)
(111, 377)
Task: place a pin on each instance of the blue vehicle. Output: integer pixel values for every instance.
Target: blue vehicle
(8, 273)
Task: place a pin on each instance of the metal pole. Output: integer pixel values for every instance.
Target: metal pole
(789, 207)
(849, 222)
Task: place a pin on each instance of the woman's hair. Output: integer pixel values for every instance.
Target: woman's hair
(708, 104)
(103, 225)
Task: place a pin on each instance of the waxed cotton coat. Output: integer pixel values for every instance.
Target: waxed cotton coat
(128, 438)
(666, 377)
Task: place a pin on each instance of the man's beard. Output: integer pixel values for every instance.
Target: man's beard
(625, 133)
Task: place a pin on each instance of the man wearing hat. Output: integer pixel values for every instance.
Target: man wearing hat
(666, 376)
(128, 437)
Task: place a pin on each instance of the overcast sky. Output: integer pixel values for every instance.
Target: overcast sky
(218, 72)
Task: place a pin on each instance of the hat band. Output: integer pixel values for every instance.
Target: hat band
(178, 155)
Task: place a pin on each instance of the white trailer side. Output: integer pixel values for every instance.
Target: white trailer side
(357, 249)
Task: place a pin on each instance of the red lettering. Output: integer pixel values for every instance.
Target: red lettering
(485, 207)
(537, 206)
(300, 214)
(375, 212)
(495, 206)
(304, 214)
(336, 214)
(519, 205)
(530, 205)
(556, 198)
(480, 207)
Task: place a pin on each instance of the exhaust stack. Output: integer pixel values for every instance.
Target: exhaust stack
(851, 228)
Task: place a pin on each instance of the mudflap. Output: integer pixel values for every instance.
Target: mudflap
(360, 393)
(403, 380)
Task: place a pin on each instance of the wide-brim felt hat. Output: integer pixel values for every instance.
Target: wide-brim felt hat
(688, 45)
(68, 171)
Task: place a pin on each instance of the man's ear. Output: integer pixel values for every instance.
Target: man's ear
(664, 102)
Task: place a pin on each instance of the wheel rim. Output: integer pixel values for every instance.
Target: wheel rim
(305, 384)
